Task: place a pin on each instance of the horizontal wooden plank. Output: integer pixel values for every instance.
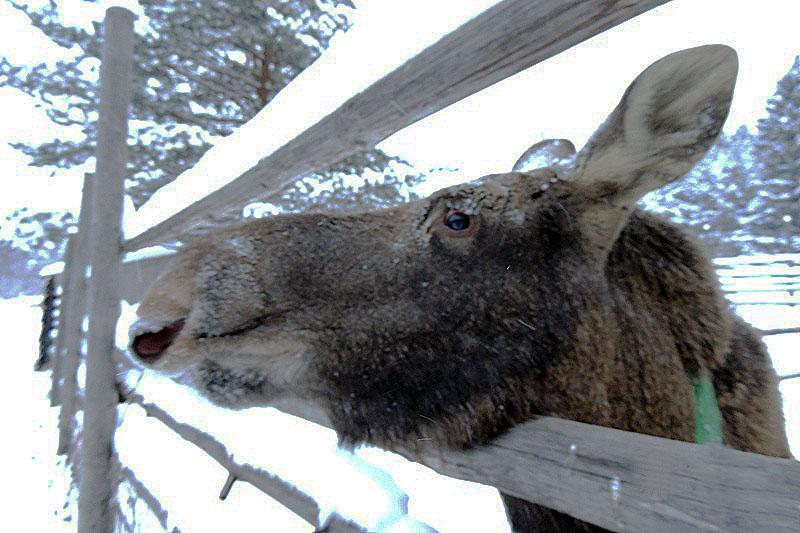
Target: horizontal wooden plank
(774, 302)
(776, 288)
(779, 331)
(789, 273)
(624, 481)
(505, 39)
(759, 259)
(744, 288)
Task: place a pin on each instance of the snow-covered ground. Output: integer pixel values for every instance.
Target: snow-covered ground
(368, 486)
(35, 484)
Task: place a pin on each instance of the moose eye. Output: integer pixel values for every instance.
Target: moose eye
(457, 220)
(456, 223)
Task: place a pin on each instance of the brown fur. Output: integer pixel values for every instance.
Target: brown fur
(560, 299)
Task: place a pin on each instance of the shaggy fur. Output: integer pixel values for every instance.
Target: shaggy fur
(555, 297)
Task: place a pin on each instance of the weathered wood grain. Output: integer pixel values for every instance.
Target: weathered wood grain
(97, 481)
(505, 39)
(624, 481)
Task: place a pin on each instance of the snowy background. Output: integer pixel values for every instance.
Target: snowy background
(471, 138)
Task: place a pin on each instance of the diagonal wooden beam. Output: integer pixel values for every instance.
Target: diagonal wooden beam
(622, 481)
(505, 39)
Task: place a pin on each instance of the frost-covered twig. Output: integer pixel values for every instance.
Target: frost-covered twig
(291, 498)
(145, 495)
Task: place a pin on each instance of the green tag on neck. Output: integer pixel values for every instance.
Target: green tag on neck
(707, 418)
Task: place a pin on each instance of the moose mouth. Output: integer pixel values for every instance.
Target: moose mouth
(149, 345)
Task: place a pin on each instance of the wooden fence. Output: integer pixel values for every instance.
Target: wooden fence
(618, 480)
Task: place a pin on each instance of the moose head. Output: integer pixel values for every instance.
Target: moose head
(457, 316)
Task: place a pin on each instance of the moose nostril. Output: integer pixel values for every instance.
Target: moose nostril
(149, 346)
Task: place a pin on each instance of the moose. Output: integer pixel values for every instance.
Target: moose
(539, 292)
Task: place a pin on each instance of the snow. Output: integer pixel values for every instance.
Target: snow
(52, 269)
(341, 72)
(567, 96)
(614, 486)
(353, 485)
(150, 252)
(369, 485)
(35, 481)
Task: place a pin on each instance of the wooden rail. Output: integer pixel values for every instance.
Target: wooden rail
(505, 39)
(624, 481)
(779, 331)
(143, 493)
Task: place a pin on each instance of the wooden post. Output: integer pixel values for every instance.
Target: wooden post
(70, 330)
(97, 460)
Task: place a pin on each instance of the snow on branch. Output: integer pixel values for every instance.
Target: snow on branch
(299, 503)
(145, 495)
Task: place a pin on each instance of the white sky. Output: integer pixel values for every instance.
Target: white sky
(566, 96)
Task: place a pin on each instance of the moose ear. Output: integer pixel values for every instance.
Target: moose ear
(544, 154)
(667, 120)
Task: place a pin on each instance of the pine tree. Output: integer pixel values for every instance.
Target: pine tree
(744, 197)
(16, 276)
(775, 216)
(202, 68)
(39, 239)
(713, 200)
